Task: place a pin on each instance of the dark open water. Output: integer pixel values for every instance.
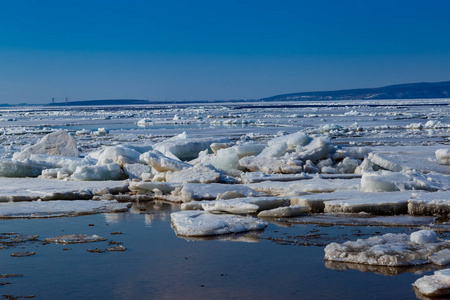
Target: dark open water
(274, 264)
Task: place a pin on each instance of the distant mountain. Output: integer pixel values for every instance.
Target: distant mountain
(420, 90)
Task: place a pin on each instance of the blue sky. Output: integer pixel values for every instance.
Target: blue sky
(185, 50)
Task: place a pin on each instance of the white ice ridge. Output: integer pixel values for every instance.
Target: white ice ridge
(388, 250)
(437, 285)
(200, 223)
(28, 189)
(59, 208)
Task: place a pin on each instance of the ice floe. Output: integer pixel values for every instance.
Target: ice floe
(28, 189)
(59, 208)
(388, 250)
(437, 285)
(200, 223)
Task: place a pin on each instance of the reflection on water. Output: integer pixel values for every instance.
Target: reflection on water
(382, 270)
(247, 237)
(154, 210)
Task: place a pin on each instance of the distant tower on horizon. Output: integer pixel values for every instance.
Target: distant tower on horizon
(53, 100)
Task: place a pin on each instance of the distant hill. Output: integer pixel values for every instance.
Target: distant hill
(420, 90)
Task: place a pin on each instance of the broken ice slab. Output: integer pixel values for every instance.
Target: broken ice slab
(200, 223)
(212, 191)
(59, 208)
(195, 174)
(347, 219)
(382, 270)
(284, 212)
(373, 203)
(75, 239)
(422, 158)
(437, 285)
(149, 187)
(387, 250)
(437, 203)
(302, 187)
(29, 189)
(184, 148)
(19, 169)
(316, 201)
(441, 258)
(247, 205)
(386, 163)
(253, 177)
(162, 163)
(99, 173)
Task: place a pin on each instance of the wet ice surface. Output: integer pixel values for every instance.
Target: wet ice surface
(408, 141)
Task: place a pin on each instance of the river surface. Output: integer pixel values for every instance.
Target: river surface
(281, 262)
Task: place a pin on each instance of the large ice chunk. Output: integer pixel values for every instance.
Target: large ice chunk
(185, 148)
(228, 158)
(102, 172)
(386, 250)
(162, 163)
(120, 155)
(270, 165)
(317, 149)
(19, 169)
(443, 155)
(385, 163)
(437, 285)
(212, 191)
(135, 171)
(292, 141)
(56, 143)
(284, 212)
(200, 223)
(196, 174)
(423, 237)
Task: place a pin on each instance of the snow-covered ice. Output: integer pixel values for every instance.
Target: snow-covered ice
(200, 223)
(59, 208)
(437, 285)
(284, 212)
(387, 250)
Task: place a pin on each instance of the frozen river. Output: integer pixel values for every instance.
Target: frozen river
(359, 168)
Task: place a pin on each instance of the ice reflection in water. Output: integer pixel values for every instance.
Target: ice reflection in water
(382, 270)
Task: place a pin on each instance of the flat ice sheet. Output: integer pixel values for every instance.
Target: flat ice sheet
(27, 189)
(200, 223)
(59, 208)
(384, 203)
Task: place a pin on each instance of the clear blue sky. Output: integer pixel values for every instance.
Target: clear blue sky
(179, 49)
